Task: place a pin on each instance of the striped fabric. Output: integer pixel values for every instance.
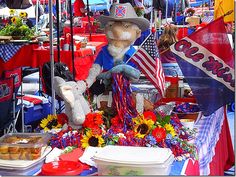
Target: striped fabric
(209, 128)
(207, 19)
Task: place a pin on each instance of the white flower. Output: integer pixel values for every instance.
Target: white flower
(121, 135)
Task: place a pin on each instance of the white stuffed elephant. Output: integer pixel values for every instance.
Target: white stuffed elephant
(76, 106)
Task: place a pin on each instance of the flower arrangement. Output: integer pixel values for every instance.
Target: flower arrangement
(150, 129)
(140, 11)
(17, 28)
(126, 127)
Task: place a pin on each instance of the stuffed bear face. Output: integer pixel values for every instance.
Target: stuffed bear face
(120, 36)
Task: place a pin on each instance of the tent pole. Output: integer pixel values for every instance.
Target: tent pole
(166, 10)
(58, 31)
(151, 18)
(89, 23)
(72, 38)
(52, 56)
(37, 16)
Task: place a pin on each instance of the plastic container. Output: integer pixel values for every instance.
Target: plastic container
(22, 146)
(131, 160)
(23, 167)
(63, 168)
(147, 89)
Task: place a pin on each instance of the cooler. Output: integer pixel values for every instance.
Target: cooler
(35, 108)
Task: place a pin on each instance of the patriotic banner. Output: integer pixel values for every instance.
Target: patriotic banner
(147, 59)
(207, 62)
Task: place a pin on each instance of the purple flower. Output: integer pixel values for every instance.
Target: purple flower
(150, 141)
(168, 136)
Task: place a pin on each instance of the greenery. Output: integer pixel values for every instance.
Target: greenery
(17, 28)
(139, 11)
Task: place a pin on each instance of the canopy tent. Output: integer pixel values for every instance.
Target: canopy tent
(98, 5)
(16, 4)
(198, 3)
(30, 11)
(45, 1)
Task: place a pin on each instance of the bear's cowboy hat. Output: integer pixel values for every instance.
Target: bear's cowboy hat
(125, 13)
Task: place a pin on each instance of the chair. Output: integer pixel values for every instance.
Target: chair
(6, 104)
(16, 74)
(46, 87)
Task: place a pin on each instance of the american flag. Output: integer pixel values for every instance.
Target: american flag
(147, 59)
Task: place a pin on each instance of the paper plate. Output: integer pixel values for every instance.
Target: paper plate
(62, 168)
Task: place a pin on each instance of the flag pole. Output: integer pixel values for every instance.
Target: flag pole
(228, 13)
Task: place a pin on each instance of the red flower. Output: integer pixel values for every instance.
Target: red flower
(159, 134)
(98, 119)
(116, 122)
(62, 118)
(150, 115)
(93, 120)
(97, 131)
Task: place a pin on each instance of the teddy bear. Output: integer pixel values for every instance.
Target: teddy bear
(122, 28)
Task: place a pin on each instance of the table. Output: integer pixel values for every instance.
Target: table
(21, 58)
(214, 144)
(96, 37)
(214, 147)
(83, 59)
(31, 55)
(223, 157)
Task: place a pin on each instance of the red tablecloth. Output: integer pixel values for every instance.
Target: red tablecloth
(31, 55)
(224, 154)
(22, 58)
(83, 60)
(224, 157)
(96, 37)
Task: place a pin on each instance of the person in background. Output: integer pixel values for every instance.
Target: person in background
(24, 16)
(169, 63)
(125, 1)
(28, 21)
(79, 8)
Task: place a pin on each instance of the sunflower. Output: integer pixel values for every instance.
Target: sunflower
(49, 122)
(12, 11)
(89, 139)
(23, 14)
(169, 128)
(142, 126)
(14, 19)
